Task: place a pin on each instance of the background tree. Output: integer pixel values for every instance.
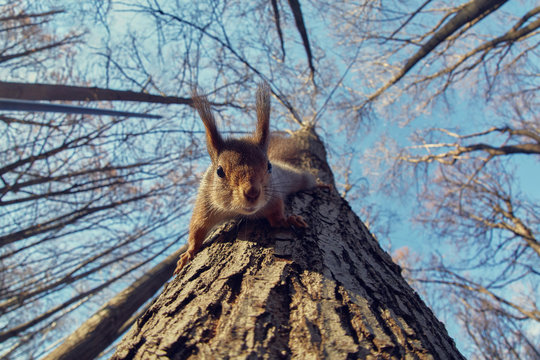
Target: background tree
(83, 202)
(469, 191)
(471, 199)
(384, 82)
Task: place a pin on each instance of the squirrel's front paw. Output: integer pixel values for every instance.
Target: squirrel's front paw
(325, 186)
(184, 258)
(297, 221)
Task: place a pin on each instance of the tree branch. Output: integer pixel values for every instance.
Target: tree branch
(450, 157)
(53, 92)
(513, 35)
(473, 287)
(301, 27)
(23, 15)
(65, 41)
(278, 27)
(471, 11)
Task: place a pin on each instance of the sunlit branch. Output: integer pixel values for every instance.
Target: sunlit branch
(469, 12)
(514, 35)
(65, 41)
(477, 288)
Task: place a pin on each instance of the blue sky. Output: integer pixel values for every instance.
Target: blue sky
(467, 114)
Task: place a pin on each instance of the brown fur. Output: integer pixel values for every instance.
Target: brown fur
(246, 187)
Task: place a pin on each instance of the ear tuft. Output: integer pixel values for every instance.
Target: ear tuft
(263, 115)
(214, 141)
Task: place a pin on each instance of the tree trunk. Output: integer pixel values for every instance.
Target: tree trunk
(25, 91)
(325, 292)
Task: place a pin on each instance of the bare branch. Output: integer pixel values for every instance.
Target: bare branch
(22, 16)
(65, 41)
(470, 12)
(278, 27)
(473, 287)
(51, 92)
(300, 25)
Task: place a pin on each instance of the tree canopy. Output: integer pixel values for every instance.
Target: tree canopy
(428, 111)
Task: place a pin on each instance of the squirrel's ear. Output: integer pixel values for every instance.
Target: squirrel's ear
(214, 141)
(263, 115)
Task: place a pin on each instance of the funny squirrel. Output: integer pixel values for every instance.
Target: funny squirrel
(249, 177)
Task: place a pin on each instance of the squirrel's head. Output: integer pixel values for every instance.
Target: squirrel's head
(240, 169)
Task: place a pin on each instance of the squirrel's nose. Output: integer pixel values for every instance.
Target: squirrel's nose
(252, 193)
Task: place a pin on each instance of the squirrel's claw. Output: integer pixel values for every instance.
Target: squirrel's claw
(297, 221)
(184, 258)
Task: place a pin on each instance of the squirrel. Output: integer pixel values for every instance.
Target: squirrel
(249, 177)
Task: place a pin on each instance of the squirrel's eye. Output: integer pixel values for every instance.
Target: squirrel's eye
(269, 167)
(220, 172)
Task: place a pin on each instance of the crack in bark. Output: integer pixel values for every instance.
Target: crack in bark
(180, 349)
(234, 282)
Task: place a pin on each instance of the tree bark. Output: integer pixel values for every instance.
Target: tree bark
(325, 292)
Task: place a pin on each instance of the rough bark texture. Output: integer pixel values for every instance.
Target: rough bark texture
(325, 292)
